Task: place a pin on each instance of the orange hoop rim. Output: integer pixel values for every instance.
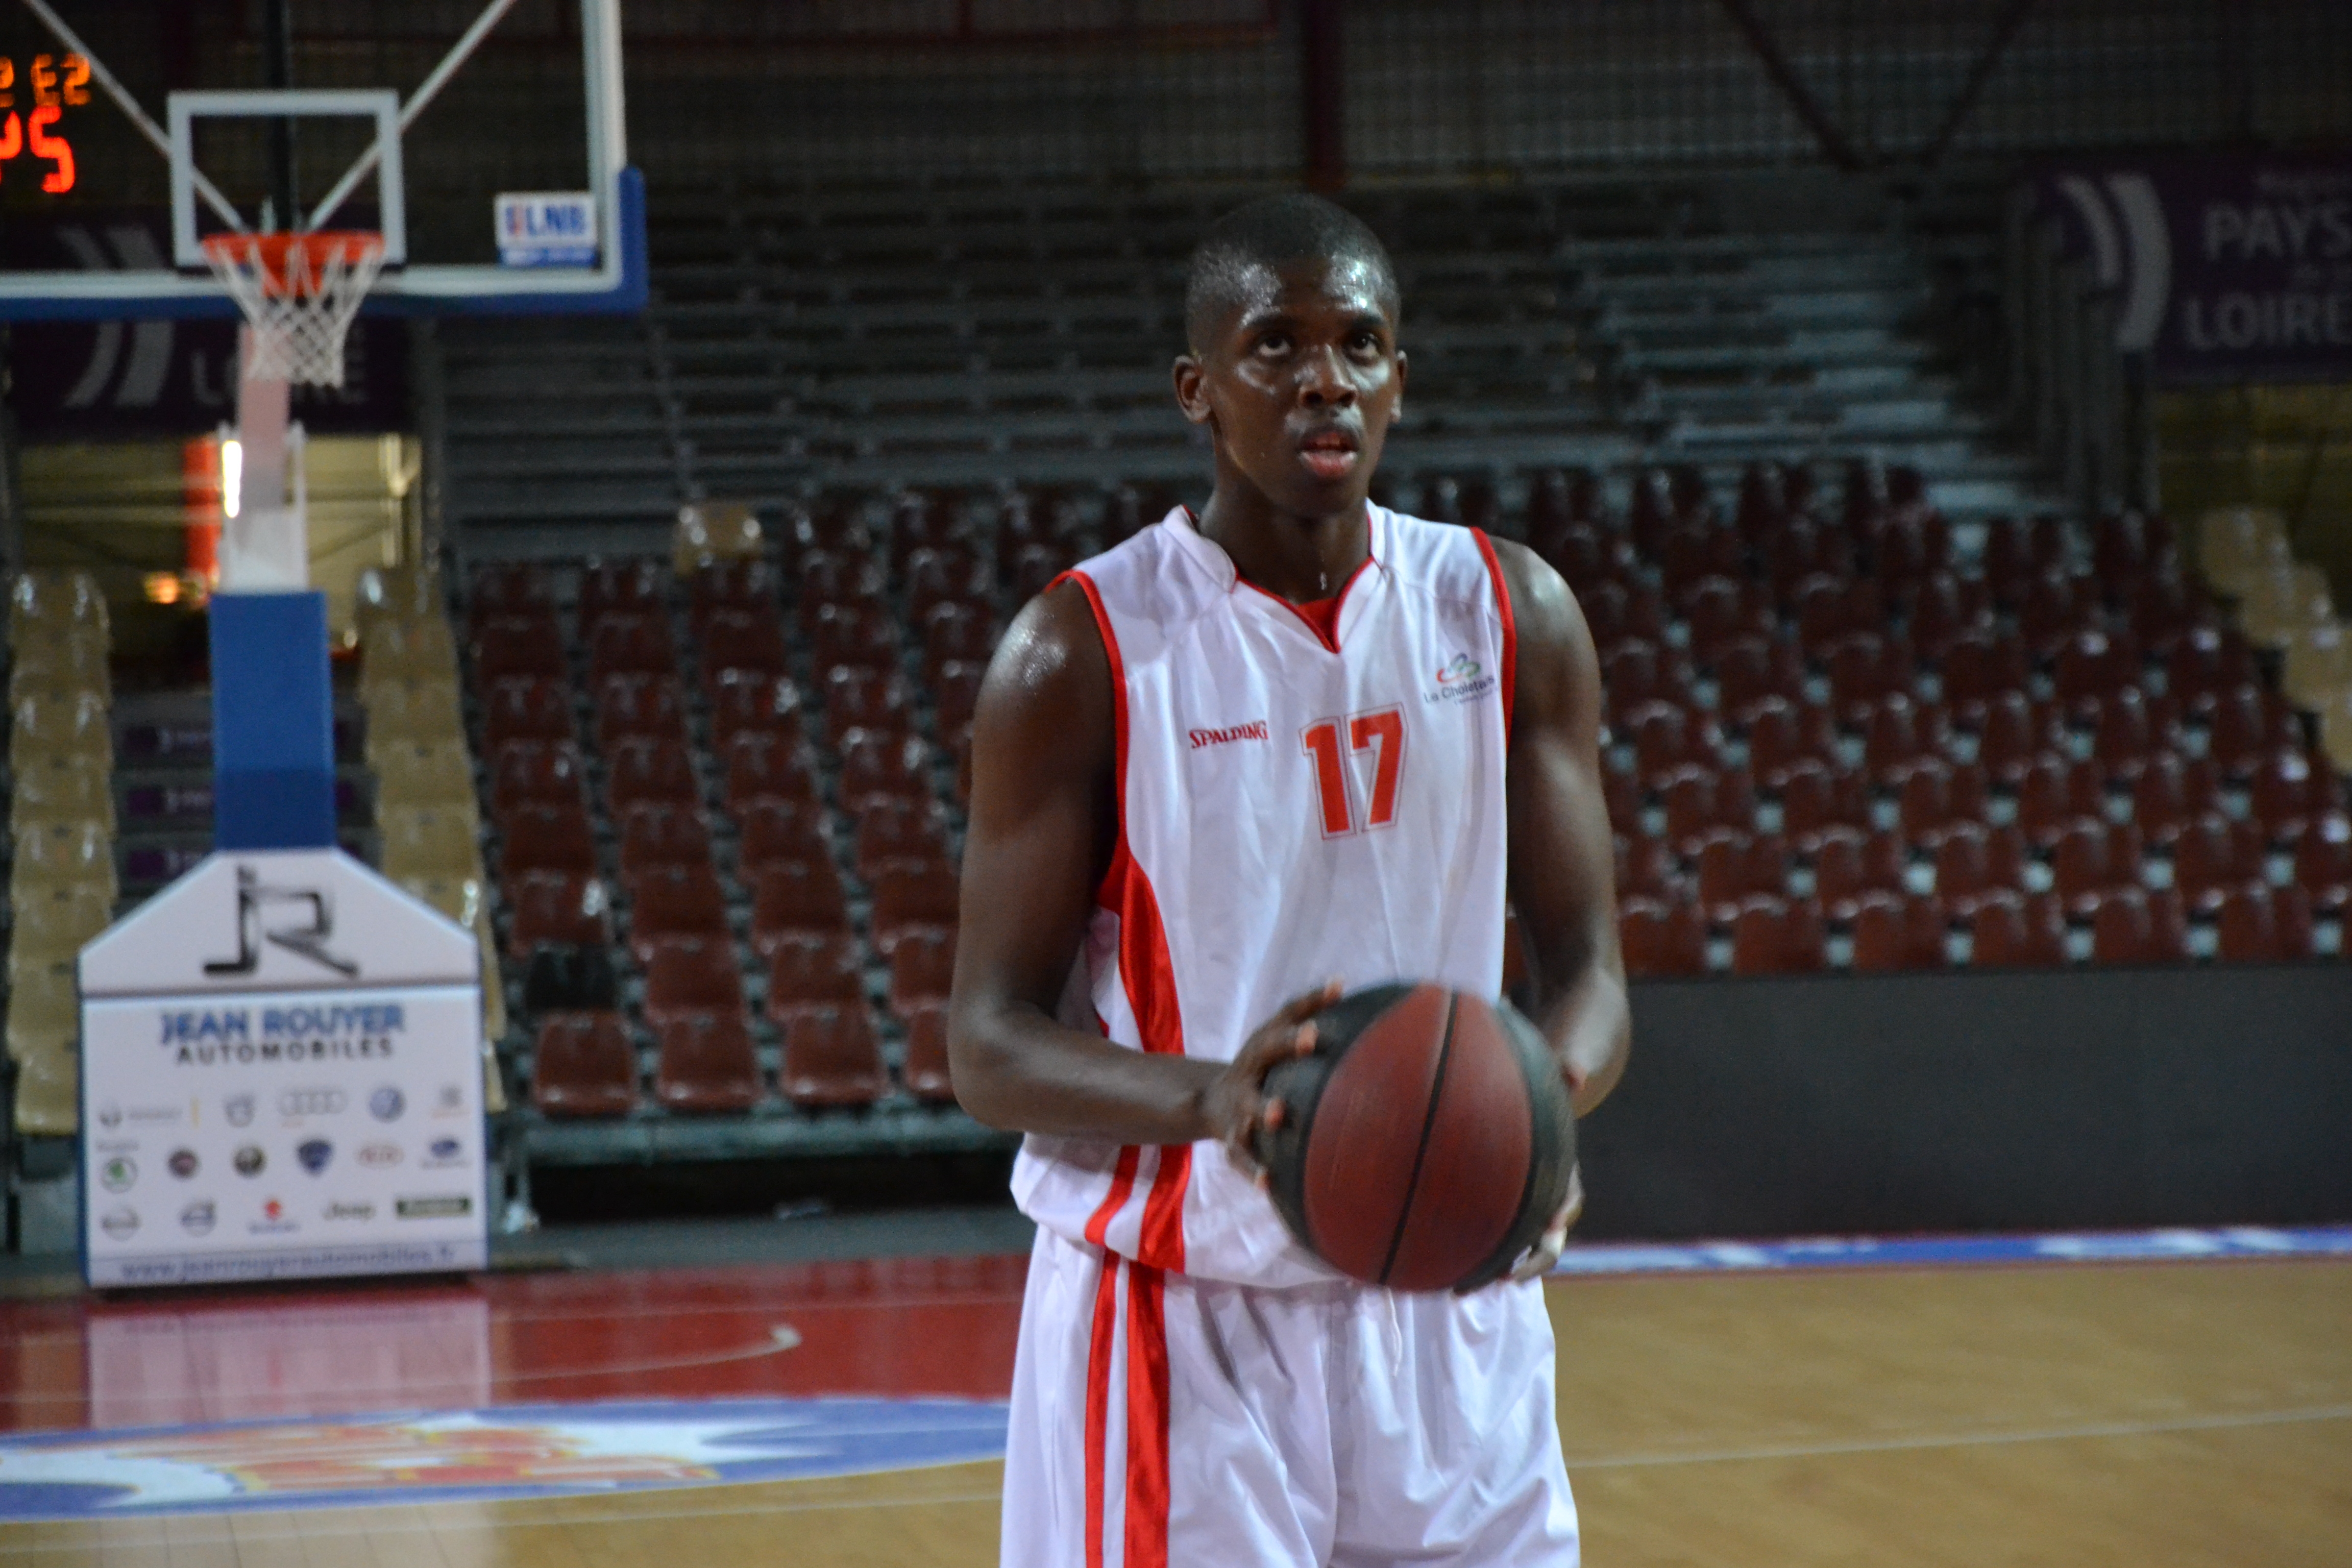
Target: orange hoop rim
(352, 246)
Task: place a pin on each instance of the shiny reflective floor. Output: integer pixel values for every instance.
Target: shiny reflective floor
(2185, 1413)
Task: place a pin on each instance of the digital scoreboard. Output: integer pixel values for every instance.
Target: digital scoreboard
(35, 92)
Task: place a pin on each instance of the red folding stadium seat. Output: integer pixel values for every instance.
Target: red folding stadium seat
(888, 766)
(1977, 667)
(1938, 617)
(1643, 867)
(556, 908)
(631, 644)
(524, 770)
(1864, 669)
(922, 520)
(674, 902)
(922, 969)
(1660, 938)
(2206, 662)
(2124, 738)
(1722, 610)
(831, 1059)
(1973, 860)
(2245, 728)
(2164, 610)
(789, 896)
(953, 631)
(1816, 797)
(1893, 931)
(1817, 603)
(2082, 869)
(908, 895)
(748, 701)
(1666, 738)
(1033, 567)
(691, 974)
(641, 769)
(658, 832)
(937, 577)
(762, 766)
(542, 836)
(1893, 736)
(1763, 502)
(955, 693)
(2050, 613)
(705, 1064)
(621, 587)
(2055, 794)
(1634, 673)
(810, 967)
(749, 586)
(1622, 792)
(527, 709)
(863, 635)
(1688, 795)
(1847, 863)
(2011, 736)
(632, 707)
(1725, 874)
(510, 647)
(891, 828)
(926, 1072)
(1751, 670)
(2287, 790)
(1781, 733)
(859, 697)
(1778, 936)
(584, 1065)
(2212, 855)
(1914, 546)
(2264, 925)
(2091, 667)
(2170, 791)
(838, 577)
(741, 640)
(505, 588)
(2132, 925)
(2323, 862)
(1925, 801)
(2002, 935)
(1686, 555)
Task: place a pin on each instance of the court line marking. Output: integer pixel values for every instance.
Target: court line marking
(2217, 1422)
(414, 1517)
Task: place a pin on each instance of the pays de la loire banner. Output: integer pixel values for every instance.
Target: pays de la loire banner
(2229, 268)
(282, 1077)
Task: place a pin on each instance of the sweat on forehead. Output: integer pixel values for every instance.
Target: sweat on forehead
(1273, 232)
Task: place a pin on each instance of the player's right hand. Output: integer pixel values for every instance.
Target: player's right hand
(1236, 1106)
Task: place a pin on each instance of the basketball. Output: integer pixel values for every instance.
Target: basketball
(1426, 1141)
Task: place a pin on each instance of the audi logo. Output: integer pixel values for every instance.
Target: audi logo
(312, 1101)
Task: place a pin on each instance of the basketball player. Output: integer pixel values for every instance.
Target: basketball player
(1297, 746)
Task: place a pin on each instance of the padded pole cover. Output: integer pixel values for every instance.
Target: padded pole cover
(273, 723)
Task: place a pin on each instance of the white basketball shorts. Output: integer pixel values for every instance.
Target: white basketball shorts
(1163, 1419)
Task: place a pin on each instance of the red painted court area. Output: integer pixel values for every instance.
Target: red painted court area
(882, 1326)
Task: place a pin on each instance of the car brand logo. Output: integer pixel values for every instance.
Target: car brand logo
(183, 1162)
(349, 1210)
(379, 1155)
(452, 1098)
(250, 1159)
(433, 1209)
(120, 1223)
(386, 1103)
(314, 1153)
(273, 1209)
(445, 1150)
(196, 1219)
(238, 1108)
(312, 1101)
(109, 1115)
(117, 1174)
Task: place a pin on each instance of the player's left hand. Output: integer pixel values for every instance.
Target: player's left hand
(1547, 1248)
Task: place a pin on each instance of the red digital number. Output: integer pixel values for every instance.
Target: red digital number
(60, 180)
(1381, 731)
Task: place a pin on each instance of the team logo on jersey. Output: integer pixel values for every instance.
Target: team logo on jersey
(1461, 680)
(1253, 731)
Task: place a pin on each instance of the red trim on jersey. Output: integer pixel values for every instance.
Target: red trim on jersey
(1098, 1351)
(1510, 625)
(1147, 1419)
(1310, 615)
(1149, 977)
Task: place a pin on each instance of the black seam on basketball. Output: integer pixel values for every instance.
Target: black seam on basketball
(1428, 1125)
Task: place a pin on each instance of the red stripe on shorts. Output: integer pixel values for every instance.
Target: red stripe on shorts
(1147, 1419)
(1099, 1353)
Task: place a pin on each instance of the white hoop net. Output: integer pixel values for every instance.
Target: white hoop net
(300, 293)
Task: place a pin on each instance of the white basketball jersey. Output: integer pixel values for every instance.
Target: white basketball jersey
(1291, 810)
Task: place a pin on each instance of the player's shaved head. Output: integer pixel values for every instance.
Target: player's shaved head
(1274, 232)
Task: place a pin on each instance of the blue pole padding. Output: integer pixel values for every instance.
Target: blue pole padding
(273, 723)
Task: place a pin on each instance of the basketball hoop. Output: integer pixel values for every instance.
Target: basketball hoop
(300, 293)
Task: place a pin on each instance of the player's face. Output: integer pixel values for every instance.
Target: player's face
(1300, 383)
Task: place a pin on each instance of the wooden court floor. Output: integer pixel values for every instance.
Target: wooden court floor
(2180, 1414)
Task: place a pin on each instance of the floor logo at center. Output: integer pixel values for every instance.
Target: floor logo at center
(474, 1456)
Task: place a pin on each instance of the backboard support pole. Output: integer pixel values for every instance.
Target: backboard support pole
(278, 64)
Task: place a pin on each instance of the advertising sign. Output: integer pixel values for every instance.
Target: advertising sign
(2230, 268)
(282, 1077)
(547, 229)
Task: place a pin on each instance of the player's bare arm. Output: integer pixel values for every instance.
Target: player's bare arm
(1042, 826)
